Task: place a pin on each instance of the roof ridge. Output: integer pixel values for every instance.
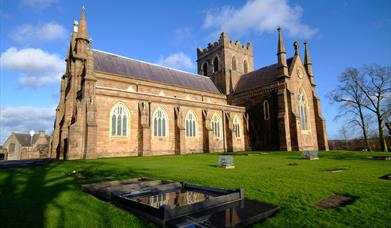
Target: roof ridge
(154, 64)
(264, 67)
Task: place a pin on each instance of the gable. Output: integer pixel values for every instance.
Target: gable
(298, 74)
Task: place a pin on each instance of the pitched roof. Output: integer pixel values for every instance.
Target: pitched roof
(261, 77)
(107, 62)
(25, 139)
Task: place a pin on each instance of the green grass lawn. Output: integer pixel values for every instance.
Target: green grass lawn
(50, 196)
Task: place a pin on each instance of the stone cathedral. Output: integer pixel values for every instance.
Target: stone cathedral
(112, 106)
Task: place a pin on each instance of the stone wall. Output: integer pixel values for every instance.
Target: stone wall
(111, 91)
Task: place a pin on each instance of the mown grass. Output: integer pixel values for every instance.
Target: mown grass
(50, 196)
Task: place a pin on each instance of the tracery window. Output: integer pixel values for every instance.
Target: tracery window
(236, 125)
(302, 110)
(160, 123)
(119, 120)
(217, 126)
(266, 110)
(190, 124)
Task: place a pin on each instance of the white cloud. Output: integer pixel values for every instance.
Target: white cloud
(39, 33)
(24, 119)
(259, 16)
(39, 4)
(177, 60)
(36, 67)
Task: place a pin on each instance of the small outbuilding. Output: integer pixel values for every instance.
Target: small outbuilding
(19, 146)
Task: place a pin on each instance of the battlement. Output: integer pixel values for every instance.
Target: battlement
(224, 41)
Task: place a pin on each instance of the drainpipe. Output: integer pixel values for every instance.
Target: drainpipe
(224, 135)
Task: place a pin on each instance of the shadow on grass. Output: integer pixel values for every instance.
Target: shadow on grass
(48, 194)
(24, 195)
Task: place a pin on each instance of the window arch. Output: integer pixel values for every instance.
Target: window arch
(160, 123)
(205, 69)
(215, 64)
(266, 110)
(119, 120)
(11, 148)
(302, 110)
(234, 63)
(236, 125)
(217, 125)
(191, 124)
(245, 67)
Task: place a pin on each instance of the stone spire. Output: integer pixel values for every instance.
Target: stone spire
(82, 28)
(307, 60)
(281, 53)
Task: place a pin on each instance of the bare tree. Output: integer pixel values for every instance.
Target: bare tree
(376, 86)
(343, 131)
(351, 101)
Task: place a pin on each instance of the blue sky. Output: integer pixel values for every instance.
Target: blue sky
(34, 38)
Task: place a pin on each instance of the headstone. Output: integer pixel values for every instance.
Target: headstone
(310, 155)
(226, 161)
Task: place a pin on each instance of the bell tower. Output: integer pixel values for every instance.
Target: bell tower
(225, 62)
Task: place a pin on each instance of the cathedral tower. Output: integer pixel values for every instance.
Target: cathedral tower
(225, 62)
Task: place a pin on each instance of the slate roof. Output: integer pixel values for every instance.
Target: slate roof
(25, 139)
(110, 63)
(259, 78)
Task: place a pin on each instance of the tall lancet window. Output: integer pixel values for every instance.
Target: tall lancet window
(190, 124)
(302, 110)
(217, 126)
(119, 120)
(266, 110)
(215, 65)
(236, 125)
(245, 67)
(160, 123)
(205, 69)
(234, 63)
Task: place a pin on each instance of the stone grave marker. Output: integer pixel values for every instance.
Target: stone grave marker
(226, 161)
(310, 155)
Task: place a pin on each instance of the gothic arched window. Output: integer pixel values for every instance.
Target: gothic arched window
(160, 123)
(236, 125)
(205, 69)
(11, 148)
(119, 120)
(245, 67)
(217, 125)
(190, 124)
(234, 63)
(266, 110)
(302, 110)
(215, 64)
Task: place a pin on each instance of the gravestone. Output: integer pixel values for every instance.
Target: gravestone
(310, 155)
(226, 161)
(335, 201)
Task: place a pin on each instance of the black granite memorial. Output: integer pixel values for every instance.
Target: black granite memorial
(386, 177)
(175, 204)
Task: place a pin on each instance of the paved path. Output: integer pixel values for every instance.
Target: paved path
(25, 163)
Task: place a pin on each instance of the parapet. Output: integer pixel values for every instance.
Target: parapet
(225, 42)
